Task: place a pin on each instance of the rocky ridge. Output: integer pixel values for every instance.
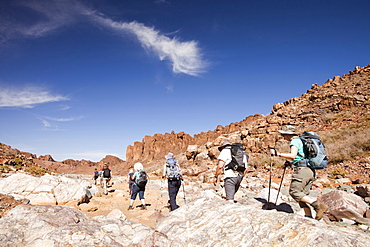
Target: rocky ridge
(339, 102)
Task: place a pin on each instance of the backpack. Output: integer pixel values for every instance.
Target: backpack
(172, 169)
(96, 174)
(237, 154)
(142, 179)
(106, 173)
(314, 150)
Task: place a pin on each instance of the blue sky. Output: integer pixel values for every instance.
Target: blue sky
(82, 79)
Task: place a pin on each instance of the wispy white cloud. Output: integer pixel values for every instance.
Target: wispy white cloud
(184, 57)
(27, 97)
(48, 16)
(63, 119)
(51, 123)
(45, 123)
(64, 107)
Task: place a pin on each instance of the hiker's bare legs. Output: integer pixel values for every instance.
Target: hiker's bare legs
(143, 205)
(105, 185)
(307, 200)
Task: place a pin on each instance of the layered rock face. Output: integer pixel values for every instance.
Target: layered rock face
(318, 110)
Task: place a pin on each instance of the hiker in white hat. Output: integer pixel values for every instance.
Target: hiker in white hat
(171, 171)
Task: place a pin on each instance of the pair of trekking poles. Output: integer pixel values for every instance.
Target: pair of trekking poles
(270, 178)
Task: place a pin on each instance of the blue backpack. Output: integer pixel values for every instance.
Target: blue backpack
(172, 169)
(314, 150)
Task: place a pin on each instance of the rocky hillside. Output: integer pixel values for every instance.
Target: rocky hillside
(12, 160)
(338, 103)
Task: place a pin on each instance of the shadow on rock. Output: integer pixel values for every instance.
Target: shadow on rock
(283, 207)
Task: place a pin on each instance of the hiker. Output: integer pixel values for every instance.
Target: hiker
(171, 170)
(303, 176)
(232, 178)
(96, 175)
(131, 179)
(106, 178)
(138, 186)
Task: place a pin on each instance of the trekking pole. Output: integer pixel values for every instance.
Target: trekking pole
(160, 191)
(268, 197)
(183, 190)
(282, 178)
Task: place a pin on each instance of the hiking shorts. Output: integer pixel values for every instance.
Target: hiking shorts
(137, 190)
(232, 185)
(302, 180)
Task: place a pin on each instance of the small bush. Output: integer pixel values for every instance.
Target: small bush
(336, 172)
(35, 170)
(17, 161)
(4, 169)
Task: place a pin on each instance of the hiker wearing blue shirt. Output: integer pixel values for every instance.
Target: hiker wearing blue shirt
(171, 170)
(138, 186)
(96, 175)
(303, 176)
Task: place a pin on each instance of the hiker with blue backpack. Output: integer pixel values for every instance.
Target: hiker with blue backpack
(233, 161)
(307, 154)
(140, 181)
(171, 171)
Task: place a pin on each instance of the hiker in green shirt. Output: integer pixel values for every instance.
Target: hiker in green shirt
(303, 176)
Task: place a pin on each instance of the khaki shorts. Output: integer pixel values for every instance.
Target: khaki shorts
(302, 180)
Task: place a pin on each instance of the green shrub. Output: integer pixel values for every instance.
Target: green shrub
(4, 169)
(337, 171)
(35, 170)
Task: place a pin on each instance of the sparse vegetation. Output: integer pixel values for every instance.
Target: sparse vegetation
(4, 169)
(35, 170)
(336, 172)
(346, 144)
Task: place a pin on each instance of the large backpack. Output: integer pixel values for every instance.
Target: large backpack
(314, 150)
(172, 169)
(142, 179)
(237, 154)
(106, 173)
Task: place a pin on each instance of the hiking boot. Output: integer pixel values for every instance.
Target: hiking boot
(320, 209)
(130, 208)
(143, 207)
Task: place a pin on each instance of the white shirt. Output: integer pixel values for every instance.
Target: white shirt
(225, 156)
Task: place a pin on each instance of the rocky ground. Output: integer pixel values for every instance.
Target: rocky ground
(156, 197)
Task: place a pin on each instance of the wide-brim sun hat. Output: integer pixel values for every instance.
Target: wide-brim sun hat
(224, 144)
(138, 166)
(288, 130)
(169, 156)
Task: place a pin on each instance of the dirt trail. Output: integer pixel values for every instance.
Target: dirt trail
(119, 198)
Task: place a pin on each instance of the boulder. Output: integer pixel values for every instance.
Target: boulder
(344, 205)
(363, 190)
(48, 189)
